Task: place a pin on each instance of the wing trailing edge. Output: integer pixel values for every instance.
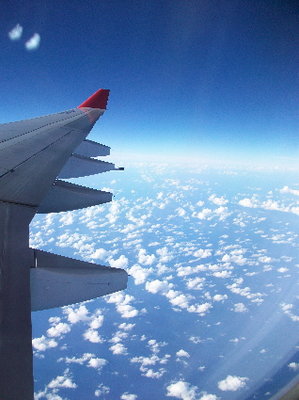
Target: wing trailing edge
(89, 148)
(78, 166)
(65, 196)
(58, 281)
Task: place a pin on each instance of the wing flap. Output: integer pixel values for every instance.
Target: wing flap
(89, 148)
(58, 281)
(65, 196)
(78, 166)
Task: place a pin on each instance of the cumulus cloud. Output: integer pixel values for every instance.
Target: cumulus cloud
(42, 343)
(92, 336)
(139, 274)
(121, 262)
(294, 366)
(219, 201)
(286, 189)
(88, 359)
(58, 330)
(222, 274)
(16, 32)
(128, 396)
(269, 204)
(33, 43)
(118, 348)
(232, 383)
(125, 326)
(240, 308)
(248, 203)
(181, 212)
(63, 381)
(185, 391)
(67, 218)
(220, 297)
(99, 254)
(287, 309)
(164, 254)
(76, 314)
(157, 286)
(195, 283)
(146, 364)
(145, 259)
(182, 353)
(102, 390)
(123, 305)
(203, 253)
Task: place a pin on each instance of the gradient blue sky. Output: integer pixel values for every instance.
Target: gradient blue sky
(193, 78)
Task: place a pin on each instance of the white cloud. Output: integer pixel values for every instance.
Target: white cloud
(240, 308)
(286, 189)
(139, 274)
(67, 218)
(97, 363)
(75, 315)
(294, 366)
(96, 321)
(125, 326)
(121, 262)
(58, 330)
(99, 254)
(200, 309)
(33, 43)
(204, 214)
(92, 336)
(232, 383)
(184, 271)
(182, 353)
(157, 286)
(180, 212)
(89, 359)
(165, 255)
(222, 274)
(248, 203)
(287, 309)
(219, 201)
(63, 381)
(102, 390)
(203, 253)
(16, 32)
(118, 348)
(185, 391)
(122, 303)
(145, 259)
(220, 297)
(42, 343)
(195, 283)
(128, 396)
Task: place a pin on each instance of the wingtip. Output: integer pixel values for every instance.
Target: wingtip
(97, 100)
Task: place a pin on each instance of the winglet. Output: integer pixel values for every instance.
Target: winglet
(98, 100)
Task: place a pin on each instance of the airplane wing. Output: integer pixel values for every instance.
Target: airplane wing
(35, 156)
(34, 153)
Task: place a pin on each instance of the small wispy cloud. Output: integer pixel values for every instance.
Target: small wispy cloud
(33, 43)
(16, 32)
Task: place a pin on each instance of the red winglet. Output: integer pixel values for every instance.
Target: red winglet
(97, 100)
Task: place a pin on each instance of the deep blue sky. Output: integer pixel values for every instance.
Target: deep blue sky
(197, 78)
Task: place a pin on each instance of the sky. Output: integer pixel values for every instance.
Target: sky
(191, 80)
(213, 288)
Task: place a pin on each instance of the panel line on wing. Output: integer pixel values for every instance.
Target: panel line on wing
(38, 152)
(40, 127)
